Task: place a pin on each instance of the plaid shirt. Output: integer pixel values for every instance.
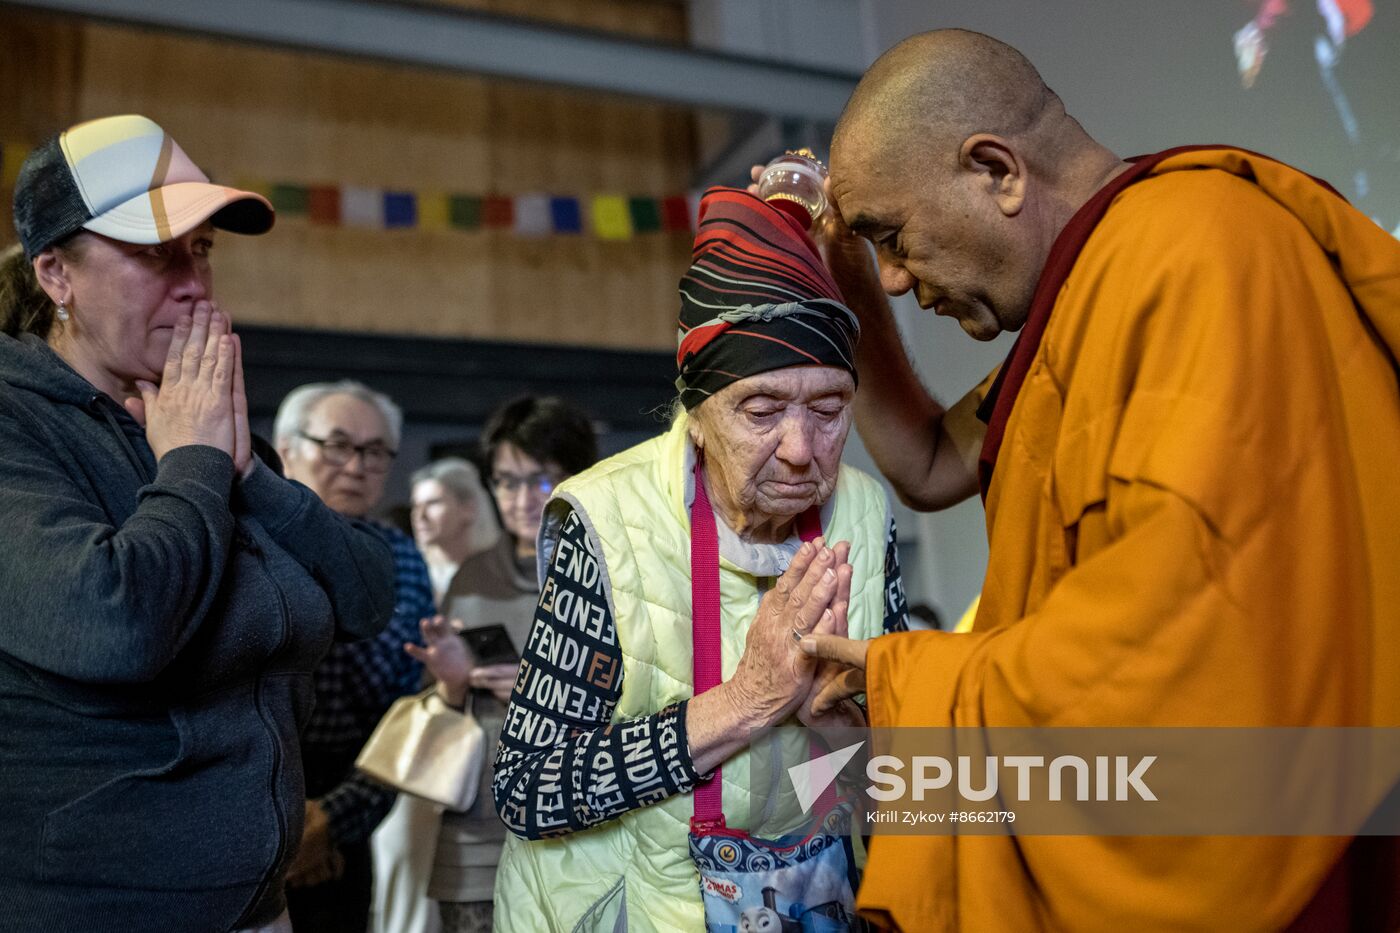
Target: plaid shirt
(355, 683)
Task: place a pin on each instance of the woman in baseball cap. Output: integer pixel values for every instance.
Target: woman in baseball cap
(166, 594)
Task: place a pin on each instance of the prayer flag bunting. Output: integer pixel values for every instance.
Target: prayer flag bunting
(497, 213)
(400, 210)
(434, 211)
(645, 213)
(567, 216)
(464, 212)
(675, 214)
(289, 199)
(323, 205)
(255, 185)
(361, 207)
(611, 220)
(532, 215)
(607, 216)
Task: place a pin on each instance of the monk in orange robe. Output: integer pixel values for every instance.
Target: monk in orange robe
(1191, 474)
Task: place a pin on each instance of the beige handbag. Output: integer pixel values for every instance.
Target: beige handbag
(426, 748)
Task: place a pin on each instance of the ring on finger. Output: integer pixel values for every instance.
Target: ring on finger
(797, 634)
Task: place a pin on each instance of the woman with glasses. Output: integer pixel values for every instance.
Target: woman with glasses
(340, 439)
(532, 444)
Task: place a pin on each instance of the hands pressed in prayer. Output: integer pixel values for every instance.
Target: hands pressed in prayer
(773, 676)
(843, 711)
(201, 398)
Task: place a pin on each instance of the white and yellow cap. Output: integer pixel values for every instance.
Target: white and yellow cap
(126, 178)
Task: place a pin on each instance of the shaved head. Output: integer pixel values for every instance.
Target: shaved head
(952, 83)
(961, 166)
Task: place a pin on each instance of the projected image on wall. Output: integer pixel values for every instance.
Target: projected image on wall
(1329, 30)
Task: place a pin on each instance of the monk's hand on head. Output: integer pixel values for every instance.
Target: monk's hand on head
(773, 676)
(848, 256)
(194, 402)
(755, 173)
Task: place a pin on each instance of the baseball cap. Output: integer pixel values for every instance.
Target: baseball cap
(123, 177)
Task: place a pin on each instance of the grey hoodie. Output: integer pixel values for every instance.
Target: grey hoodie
(158, 628)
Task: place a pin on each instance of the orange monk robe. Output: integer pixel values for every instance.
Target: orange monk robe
(1194, 520)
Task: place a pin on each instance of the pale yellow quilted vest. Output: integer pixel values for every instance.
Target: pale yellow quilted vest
(635, 873)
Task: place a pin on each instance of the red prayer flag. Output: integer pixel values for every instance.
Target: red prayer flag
(323, 204)
(497, 212)
(675, 213)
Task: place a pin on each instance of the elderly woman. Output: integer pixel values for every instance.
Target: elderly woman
(166, 594)
(608, 734)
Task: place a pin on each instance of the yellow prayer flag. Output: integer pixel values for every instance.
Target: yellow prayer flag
(256, 185)
(611, 218)
(434, 211)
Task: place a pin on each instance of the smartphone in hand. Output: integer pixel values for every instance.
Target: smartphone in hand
(490, 644)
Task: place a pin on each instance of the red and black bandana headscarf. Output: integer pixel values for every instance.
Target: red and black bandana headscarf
(756, 297)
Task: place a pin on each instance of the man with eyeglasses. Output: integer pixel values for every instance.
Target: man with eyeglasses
(340, 440)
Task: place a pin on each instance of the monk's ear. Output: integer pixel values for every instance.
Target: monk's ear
(999, 170)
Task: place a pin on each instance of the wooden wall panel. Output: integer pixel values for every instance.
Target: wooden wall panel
(40, 67)
(247, 112)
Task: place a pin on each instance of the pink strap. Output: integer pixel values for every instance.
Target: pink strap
(707, 663)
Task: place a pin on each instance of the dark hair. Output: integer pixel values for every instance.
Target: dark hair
(25, 308)
(549, 429)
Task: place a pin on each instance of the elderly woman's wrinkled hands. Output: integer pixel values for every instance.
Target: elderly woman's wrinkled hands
(194, 403)
(826, 704)
(773, 675)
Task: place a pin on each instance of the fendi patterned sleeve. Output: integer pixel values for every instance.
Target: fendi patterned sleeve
(561, 764)
(896, 605)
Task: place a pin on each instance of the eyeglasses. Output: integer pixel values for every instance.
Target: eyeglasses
(376, 457)
(508, 484)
